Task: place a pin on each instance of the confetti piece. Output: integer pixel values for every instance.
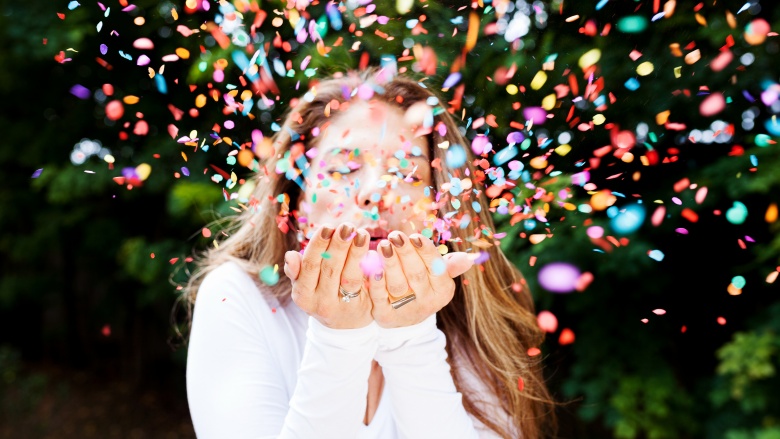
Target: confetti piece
(547, 321)
(566, 337)
(712, 104)
(269, 275)
(520, 384)
(37, 173)
(737, 213)
(656, 255)
(559, 277)
(659, 312)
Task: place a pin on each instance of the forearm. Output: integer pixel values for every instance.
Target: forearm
(329, 400)
(424, 398)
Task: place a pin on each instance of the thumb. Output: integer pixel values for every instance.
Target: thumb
(292, 264)
(457, 263)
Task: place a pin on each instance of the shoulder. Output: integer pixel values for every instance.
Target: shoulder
(232, 287)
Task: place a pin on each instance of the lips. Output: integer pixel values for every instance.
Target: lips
(377, 234)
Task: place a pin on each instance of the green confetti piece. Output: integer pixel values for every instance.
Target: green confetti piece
(269, 275)
(325, 255)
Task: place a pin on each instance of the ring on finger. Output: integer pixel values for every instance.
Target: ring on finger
(346, 296)
(403, 301)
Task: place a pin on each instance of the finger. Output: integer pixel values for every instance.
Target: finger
(309, 272)
(395, 280)
(377, 291)
(436, 265)
(292, 264)
(415, 271)
(333, 261)
(352, 275)
(458, 263)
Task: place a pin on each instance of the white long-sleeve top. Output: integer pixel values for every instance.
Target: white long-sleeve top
(256, 369)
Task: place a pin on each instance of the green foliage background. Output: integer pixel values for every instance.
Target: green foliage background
(85, 311)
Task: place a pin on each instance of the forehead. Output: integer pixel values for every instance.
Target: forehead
(372, 127)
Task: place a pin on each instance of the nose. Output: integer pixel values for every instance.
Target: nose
(372, 189)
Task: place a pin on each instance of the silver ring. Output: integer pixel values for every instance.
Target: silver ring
(346, 296)
(402, 301)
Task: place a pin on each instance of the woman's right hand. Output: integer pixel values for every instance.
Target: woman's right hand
(331, 258)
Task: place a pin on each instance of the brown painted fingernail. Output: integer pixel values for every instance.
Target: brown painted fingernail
(360, 239)
(378, 276)
(346, 231)
(416, 241)
(327, 232)
(387, 251)
(397, 240)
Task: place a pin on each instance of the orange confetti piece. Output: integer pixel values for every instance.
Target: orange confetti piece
(566, 337)
(690, 215)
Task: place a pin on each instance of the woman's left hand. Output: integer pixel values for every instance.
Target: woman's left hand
(413, 265)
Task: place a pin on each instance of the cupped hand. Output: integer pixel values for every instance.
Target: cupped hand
(331, 259)
(413, 265)
(455, 264)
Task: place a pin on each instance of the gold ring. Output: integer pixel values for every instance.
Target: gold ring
(403, 301)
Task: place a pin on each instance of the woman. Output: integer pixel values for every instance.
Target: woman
(371, 334)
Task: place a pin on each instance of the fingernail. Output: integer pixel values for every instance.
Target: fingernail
(416, 241)
(378, 276)
(360, 239)
(387, 251)
(397, 240)
(327, 232)
(346, 231)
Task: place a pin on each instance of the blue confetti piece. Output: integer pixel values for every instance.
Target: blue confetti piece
(37, 173)
(505, 155)
(657, 255)
(438, 267)
(632, 84)
(601, 4)
(73, 5)
(159, 81)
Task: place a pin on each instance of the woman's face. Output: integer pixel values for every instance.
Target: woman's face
(368, 169)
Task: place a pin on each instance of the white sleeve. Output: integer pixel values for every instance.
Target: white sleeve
(425, 402)
(235, 385)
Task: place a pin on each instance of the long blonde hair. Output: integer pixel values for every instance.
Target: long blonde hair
(490, 323)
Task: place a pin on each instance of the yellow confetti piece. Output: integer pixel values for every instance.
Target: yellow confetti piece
(277, 22)
(645, 68)
(539, 162)
(294, 17)
(772, 277)
(662, 117)
(174, 14)
(184, 156)
(692, 57)
(511, 89)
(627, 157)
(143, 171)
(109, 158)
(443, 250)
(700, 19)
(563, 149)
(678, 72)
(572, 18)
(539, 79)
(183, 53)
(139, 21)
(589, 58)
(599, 119)
(246, 94)
(537, 238)
(191, 4)
(548, 103)
(200, 101)
(731, 20)
(130, 99)
(151, 72)
(771, 213)
(473, 32)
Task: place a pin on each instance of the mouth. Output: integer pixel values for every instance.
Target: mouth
(377, 235)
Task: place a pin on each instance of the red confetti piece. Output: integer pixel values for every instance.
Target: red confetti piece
(532, 352)
(566, 337)
(520, 384)
(721, 321)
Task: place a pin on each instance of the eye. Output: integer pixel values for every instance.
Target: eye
(343, 170)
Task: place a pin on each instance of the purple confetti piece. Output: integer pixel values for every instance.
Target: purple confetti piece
(128, 8)
(451, 80)
(185, 171)
(37, 173)
(80, 91)
(103, 49)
